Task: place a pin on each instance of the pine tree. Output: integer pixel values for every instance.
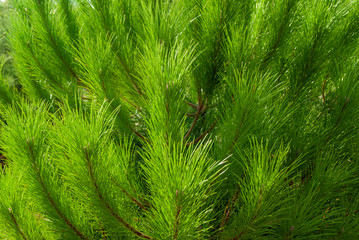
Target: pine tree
(183, 119)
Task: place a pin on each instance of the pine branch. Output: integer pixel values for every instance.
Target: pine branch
(105, 203)
(129, 196)
(239, 128)
(134, 200)
(218, 46)
(279, 35)
(53, 44)
(229, 208)
(132, 104)
(177, 218)
(46, 73)
(36, 169)
(203, 134)
(18, 228)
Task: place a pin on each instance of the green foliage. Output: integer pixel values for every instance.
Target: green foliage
(186, 119)
(7, 68)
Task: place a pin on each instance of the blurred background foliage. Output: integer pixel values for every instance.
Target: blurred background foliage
(8, 69)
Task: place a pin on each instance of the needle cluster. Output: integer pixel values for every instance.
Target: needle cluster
(181, 119)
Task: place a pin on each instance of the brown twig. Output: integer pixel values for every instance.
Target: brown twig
(191, 114)
(247, 228)
(199, 109)
(137, 195)
(241, 234)
(203, 134)
(103, 232)
(192, 105)
(203, 110)
(238, 130)
(290, 233)
(228, 210)
(345, 104)
(139, 135)
(128, 195)
(134, 200)
(178, 211)
(132, 104)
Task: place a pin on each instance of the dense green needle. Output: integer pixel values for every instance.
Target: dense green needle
(179, 119)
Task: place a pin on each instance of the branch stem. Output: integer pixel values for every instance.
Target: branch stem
(104, 202)
(48, 195)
